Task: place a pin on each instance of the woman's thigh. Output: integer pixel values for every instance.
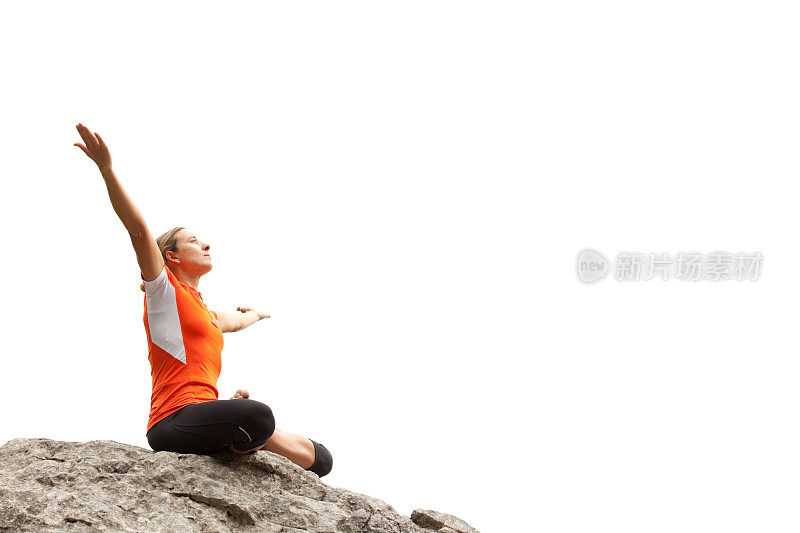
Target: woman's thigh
(210, 427)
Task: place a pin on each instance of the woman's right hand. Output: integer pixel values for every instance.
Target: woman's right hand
(95, 148)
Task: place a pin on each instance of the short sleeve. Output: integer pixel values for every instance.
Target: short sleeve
(162, 315)
(158, 285)
(216, 319)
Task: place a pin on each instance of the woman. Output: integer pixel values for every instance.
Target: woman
(184, 338)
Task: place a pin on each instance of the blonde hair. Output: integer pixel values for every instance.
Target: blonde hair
(167, 242)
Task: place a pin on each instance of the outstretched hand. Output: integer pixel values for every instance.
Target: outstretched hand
(94, 148)
(241, 393)
(259, 313)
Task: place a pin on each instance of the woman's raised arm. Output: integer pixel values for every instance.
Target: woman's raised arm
(147, 252)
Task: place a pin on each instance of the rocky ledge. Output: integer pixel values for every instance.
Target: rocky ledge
(103, 485)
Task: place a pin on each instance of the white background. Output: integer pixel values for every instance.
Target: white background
(405, 187)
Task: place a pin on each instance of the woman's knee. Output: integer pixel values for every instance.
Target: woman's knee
(261, 419)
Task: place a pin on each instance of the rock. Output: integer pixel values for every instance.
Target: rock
(441, 522)
(103, 485)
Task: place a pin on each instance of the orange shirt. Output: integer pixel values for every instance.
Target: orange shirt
(184, 342)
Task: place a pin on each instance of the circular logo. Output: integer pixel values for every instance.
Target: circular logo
(591, 266)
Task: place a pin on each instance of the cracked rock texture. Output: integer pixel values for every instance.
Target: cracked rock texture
(104, 485)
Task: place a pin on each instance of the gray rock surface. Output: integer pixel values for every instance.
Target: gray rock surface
(103, 485)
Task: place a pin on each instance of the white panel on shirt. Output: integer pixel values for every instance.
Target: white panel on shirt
(162, 316)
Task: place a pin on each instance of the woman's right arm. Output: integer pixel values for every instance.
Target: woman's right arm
(147, 253)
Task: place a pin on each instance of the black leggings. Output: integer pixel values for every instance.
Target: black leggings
(211, 426)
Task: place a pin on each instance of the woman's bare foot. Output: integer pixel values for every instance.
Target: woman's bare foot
(241, 393)
(231, 448)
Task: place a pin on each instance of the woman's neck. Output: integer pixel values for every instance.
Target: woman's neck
(192, 279)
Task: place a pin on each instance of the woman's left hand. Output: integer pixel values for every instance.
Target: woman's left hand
(246, 309)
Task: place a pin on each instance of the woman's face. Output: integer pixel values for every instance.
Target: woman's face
(192, 252)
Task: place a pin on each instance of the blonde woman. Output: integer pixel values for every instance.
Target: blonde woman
(185, 342)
